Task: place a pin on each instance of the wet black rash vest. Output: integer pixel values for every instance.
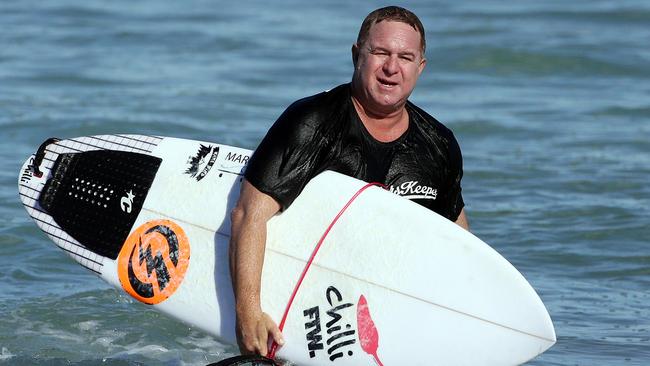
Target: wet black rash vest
(324, 132)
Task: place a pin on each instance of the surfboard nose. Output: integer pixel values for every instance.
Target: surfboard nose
(548, 331)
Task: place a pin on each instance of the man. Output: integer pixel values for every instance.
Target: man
(366, 129)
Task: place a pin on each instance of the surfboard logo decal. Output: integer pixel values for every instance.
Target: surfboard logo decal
(28, 172)
(368, 334)
(197, 162)
(153, 261)
(333, 326)
(126, 203)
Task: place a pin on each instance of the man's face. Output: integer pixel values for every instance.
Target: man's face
(387, 66)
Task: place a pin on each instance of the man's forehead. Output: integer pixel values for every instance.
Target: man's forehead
(393, 25)
(391, 33)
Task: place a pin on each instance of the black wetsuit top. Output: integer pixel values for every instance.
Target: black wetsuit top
(324, 132)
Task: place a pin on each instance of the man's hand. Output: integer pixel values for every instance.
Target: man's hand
(253, 332)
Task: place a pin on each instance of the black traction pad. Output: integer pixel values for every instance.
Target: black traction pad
(95, 196)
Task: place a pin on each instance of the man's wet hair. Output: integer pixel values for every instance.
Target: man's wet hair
(394, 14)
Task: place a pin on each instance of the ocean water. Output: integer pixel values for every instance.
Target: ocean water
(550, 101)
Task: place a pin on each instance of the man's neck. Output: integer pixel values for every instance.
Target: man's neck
(383, 127)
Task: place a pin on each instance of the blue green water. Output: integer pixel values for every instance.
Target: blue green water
(549, 100)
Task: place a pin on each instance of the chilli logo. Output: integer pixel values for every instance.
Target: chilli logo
(368, 334)
(341, 334)
(153, 261)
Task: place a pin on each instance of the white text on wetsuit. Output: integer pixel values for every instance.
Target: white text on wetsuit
(413, 190)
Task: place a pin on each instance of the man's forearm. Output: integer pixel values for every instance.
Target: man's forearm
(246, 261)
(247, 243)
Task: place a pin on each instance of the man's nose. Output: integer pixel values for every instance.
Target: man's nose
(391, 65)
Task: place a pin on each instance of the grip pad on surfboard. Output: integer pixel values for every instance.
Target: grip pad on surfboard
(95, 196)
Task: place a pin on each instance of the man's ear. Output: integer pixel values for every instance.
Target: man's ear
(421, 66)
(355, 54)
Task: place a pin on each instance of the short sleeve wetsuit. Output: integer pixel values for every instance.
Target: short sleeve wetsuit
(324, 132)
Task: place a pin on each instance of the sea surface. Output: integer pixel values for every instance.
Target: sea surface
(549, 100)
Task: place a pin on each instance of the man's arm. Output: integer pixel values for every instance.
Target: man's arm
(462, 220)
(247, 243)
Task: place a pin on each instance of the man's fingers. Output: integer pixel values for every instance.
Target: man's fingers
(273, 329)
(262, 337)
(255, 339)
(247, 338)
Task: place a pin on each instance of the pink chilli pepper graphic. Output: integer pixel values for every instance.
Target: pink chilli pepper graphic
(368, 335)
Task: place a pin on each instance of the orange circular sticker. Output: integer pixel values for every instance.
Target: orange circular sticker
(153, 261)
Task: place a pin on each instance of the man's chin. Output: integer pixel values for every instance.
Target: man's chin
(388, 106)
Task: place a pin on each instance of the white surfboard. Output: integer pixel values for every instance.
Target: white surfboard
(392, 283)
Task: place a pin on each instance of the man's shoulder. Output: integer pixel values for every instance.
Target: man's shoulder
(319, 106)
(428, 123)
(314, 114)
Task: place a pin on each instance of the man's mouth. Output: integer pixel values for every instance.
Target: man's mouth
(386, 83)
